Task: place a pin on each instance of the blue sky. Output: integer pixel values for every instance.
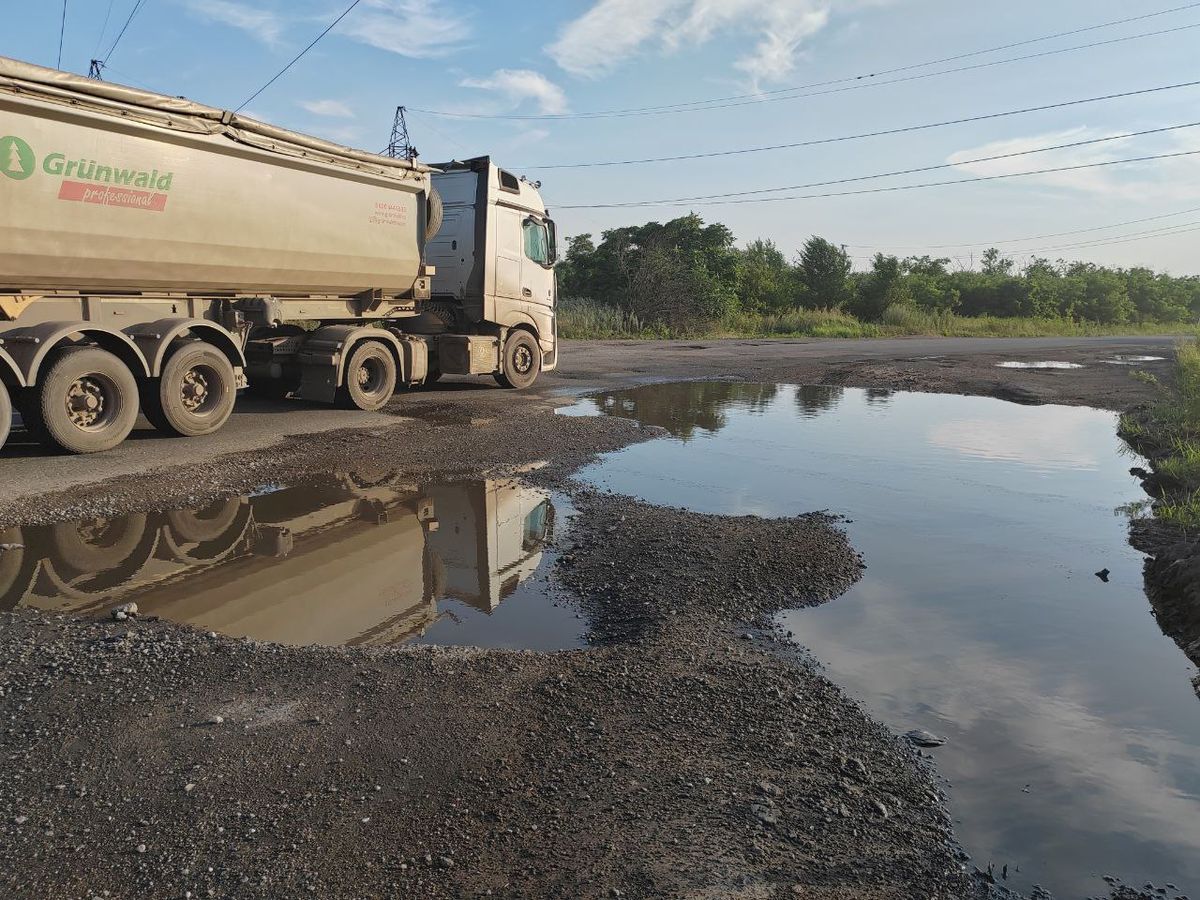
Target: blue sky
(507, 58)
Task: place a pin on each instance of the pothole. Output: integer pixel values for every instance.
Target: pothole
(1069, 717)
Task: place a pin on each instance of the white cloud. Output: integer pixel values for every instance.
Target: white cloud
(518, 85)
(786, 26)
(333, 108)
(1169, 179)
(263, 24)
(611, 31)
(608, 33)
(419, 29)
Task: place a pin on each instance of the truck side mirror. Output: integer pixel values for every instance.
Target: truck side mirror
(553, 234)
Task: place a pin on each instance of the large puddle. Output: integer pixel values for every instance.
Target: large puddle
(1073, 730)
(345, 559)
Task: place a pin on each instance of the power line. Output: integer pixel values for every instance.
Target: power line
(137, 7)
(863, 135)
(912, 171)
(1034, 237)
(62, 29)
(126, 79)
(901, 187)
(1186, 228)
(1170, 231)
(298, 56)
(103, 28)
(859, 81)
(1182, 228)
(1022, 240)
(445, 137)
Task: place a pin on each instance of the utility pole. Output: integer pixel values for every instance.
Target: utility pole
(400, 147)
(94, 71)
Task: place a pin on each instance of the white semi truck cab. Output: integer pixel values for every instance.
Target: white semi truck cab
(494, 254)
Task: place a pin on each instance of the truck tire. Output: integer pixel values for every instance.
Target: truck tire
(198, 526)
(95, 545)
(195, 394)
(434, 214)
(86, 403)
(521, 362)
(370, 378)
(6, 414)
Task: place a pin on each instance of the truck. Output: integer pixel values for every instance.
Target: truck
(158, 256)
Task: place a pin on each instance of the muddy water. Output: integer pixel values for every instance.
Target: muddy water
(1073, 733)
(345, 559)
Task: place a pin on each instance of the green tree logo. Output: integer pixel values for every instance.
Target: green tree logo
(16, 158)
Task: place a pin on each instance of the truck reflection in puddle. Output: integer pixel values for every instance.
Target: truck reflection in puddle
(348, 559)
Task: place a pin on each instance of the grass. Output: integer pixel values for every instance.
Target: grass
(1168, 434)
(588, 320)
(1183, 511)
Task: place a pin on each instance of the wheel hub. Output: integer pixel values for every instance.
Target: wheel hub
(194, 390)
(85, 402)
(370, 376)
(522, 360)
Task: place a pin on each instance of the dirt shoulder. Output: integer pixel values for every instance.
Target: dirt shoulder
(676, 758)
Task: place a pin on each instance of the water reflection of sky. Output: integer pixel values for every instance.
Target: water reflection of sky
(1074, 734)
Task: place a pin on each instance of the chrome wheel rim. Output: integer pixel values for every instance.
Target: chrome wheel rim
(522, 360)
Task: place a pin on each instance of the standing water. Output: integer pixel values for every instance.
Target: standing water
(1073, 731)
(343, 558)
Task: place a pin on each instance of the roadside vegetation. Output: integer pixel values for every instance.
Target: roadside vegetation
(685, 278)
(1168, 434)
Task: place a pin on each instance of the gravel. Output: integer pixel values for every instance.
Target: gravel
(684, 754)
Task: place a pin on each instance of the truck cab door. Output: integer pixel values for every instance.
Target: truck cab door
(509, 258)
(537, 264)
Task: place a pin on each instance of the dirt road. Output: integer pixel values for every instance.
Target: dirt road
(964, 365)
(674, 758)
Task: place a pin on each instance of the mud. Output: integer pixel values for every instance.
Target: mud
(675, 758)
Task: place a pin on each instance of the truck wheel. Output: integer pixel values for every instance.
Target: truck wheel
(6, 414)
(95, 545)
(198, 526)
(87, 402)
(195, 394)
(522, 361)
(370, 378)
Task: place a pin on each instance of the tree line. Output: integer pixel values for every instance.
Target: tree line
(684, 272)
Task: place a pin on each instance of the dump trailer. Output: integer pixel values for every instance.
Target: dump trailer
(158, 255)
